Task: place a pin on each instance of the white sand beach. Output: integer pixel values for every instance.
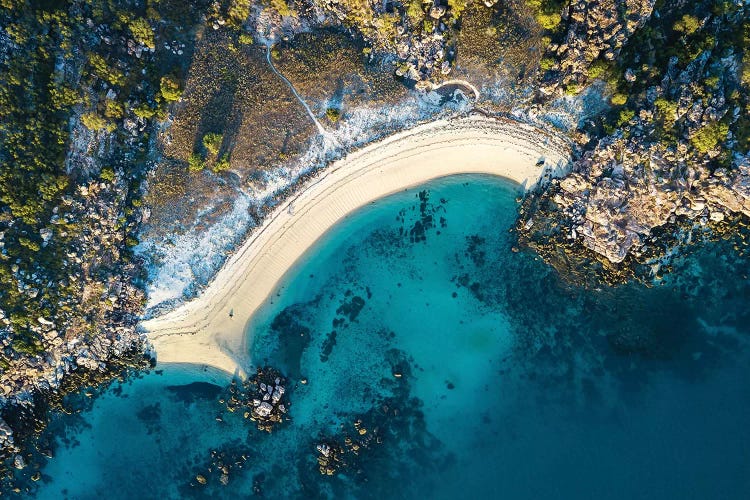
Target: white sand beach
(201, 331)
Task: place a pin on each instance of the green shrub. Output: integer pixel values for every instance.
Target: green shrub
(142, 32)
(667, 109)
(548, 21)
(101, 69)
(333, 114)
(63, 97)
(687, 24)
(709, 136)
(625, 116)
(212, 143)
(238, 12)
(222, 164)
(28, 243)
(457, 7)
(113, 109)
(107, 174)
(619, 99)
(170, 89)
(712, 82)
(282, 8)
(414, 12)
(144, 111)
(94, 122)
(196, 163)
(30, 347)
(546, 12)
(547, 63)
(598, 69)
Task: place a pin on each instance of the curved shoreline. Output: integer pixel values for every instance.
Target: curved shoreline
(202, 332)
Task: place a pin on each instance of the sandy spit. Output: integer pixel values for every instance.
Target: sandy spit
(202, 332)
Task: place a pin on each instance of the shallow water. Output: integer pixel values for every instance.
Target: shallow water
(479, 370)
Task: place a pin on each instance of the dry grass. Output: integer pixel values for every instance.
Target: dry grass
(329, 67)
(502, 43)
(231, 90)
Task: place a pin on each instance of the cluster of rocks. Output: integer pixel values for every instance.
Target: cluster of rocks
(109, 301)
(220, 468)
(594, 30)
(333, 456)
(330, 457)
(7, 442)
(177, 48)
(623, 190)
(263, 397)
(423, 57)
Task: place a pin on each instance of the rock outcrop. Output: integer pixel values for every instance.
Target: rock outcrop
(623, 190)
(672, 156)
(595, 30)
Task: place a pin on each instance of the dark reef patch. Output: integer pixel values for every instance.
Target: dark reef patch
(352, 308)
(150, 416)
(190, 393)
(328, 345)
(417, 227)
(293, 337)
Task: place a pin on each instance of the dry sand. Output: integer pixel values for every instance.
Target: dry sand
(201, 331)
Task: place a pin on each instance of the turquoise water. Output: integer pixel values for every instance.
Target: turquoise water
(473, 370)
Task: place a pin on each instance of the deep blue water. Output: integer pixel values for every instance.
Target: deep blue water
(474, 370)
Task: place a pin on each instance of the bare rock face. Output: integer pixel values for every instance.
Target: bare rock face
(730, 190)
(622, 190)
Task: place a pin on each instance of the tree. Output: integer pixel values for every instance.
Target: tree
(170, 89)
(687, 24)
(196, 163)
(212, 143)
(142, 32)
(709, 136)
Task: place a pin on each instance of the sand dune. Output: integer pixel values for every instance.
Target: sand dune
(202, 332)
